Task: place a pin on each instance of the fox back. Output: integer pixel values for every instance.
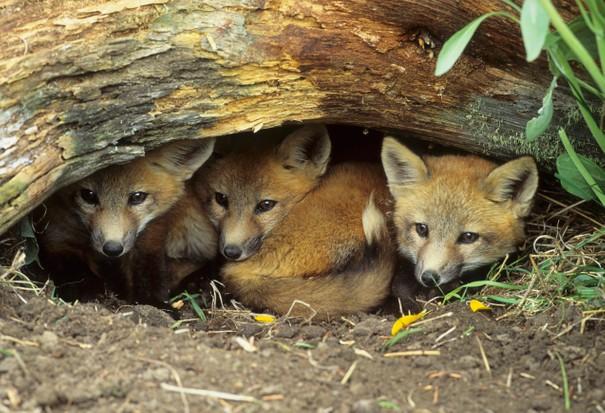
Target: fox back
(456, 213)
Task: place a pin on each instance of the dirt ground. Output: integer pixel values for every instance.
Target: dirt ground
(102, 357)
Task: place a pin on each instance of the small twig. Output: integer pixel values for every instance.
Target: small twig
(483, 356)
(576, 211)
(436, 395)
(428, 320)
(299, 302)
(21, 363)
(442, 336)
(208, 393)
(21, 342)
(531, 283)
(509, 378)
(349, 373)
(413, 353)
(316, 364)
(176, 376)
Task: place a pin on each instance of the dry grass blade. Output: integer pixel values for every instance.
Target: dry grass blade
(483, 356)
(176, 376)
(411, 353)
(208, 393)
(12, 276)
(349, 373)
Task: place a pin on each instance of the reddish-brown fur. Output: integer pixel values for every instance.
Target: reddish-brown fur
(452, 196)
(313, 245)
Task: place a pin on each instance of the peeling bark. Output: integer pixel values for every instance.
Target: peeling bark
(84, 84)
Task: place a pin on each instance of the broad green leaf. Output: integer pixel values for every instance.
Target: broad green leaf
(588, 292)
(573, 182)
(538, 125)
(585, 281)
(534, 28)
(454, 46)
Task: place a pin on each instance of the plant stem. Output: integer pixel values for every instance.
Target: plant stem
(574, 44)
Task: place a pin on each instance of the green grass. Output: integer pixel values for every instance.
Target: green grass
(192, 300)
(305, 345)
(566, 397)
(403, 334)
(564, 263)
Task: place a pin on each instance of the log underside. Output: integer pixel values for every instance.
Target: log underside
(85, 84)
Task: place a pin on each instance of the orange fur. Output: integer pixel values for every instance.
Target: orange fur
(313, 246)
(473, 209)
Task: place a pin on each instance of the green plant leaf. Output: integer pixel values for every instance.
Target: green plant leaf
(454, 46)
(538, 125)
(401, 335)
(534, 28)
(573, 182)
(585, 281)
(579, 28)
(32, 249)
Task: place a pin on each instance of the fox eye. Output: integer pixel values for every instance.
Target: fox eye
(468, 237)
(137, 198)
(221, 199)
(422, 230)
(89, 196)
(264, 206)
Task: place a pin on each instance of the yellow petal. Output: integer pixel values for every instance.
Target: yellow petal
(405, 321)
(265, 318)
(477, 305)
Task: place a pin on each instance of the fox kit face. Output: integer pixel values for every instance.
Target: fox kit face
(249, 194)
(116, 204)
(456, 213)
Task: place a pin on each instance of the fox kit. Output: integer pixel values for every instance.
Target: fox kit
(456, 213)
(292, 231)
(139, 220)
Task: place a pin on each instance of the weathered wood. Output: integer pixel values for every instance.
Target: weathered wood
(87, 83)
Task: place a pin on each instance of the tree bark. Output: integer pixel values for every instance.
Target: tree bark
(85, 84)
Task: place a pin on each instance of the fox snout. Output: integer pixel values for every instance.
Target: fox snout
(112, 237)
(430, 276)
(240, 251)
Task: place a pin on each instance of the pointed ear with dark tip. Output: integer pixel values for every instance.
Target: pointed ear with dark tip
(515, 181)
(183, 158)
(307, 148)
(401, 166)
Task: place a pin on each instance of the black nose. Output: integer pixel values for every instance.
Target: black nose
(112, 248)
(430, 278)
(232, 252)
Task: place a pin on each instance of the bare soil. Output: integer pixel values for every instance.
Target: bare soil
(103, 357)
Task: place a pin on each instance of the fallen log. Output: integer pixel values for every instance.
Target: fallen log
(85, 84)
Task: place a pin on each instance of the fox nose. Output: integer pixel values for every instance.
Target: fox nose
(112, 248)
(430, 278)
(232, 252)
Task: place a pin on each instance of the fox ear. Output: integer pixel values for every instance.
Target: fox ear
(515, 181)
(307, 147)
(401, 165)
(183, 158)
